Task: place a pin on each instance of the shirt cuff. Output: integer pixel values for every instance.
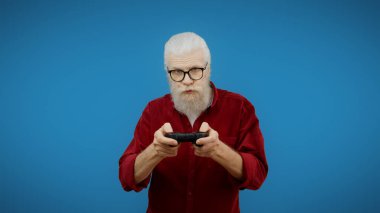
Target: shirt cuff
(127, 175)
(253, 176)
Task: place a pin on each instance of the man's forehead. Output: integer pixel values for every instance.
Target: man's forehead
(188, 60)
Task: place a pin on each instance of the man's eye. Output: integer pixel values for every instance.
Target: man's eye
(177, 72)
(195, 70)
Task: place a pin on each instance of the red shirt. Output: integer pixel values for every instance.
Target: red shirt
(188, 183)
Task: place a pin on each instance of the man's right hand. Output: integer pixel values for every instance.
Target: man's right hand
(161, 148)
(164, 146)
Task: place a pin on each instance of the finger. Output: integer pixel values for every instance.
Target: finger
(202, 153)
(212, 137)
(165, 140)
(204, 127)
(165, 154)
(166, 149)
(203, 141)
(167, 128)
(204, 148)
(160, 137)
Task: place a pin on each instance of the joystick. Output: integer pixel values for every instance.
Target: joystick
(186, 137)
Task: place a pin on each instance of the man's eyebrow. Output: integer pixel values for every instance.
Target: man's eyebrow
(174, 68)
(186, 68)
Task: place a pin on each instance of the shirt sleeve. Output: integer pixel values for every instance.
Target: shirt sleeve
(141, 139)
(251, 149)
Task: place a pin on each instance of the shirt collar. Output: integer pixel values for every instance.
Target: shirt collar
(215, 94)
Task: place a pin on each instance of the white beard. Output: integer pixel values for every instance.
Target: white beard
(192, 105)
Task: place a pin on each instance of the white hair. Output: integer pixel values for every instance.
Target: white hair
(183, 43)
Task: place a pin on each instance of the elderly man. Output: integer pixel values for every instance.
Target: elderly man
(205, 176)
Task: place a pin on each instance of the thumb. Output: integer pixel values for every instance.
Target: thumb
(167, 128)
(204, 127)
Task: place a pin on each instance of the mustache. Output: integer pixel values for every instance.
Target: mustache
(194, 88)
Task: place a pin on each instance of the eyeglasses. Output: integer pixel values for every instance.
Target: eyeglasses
(194, 73)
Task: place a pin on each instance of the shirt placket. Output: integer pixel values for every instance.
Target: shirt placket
(190, 185)
(191, 171)
(191, 162)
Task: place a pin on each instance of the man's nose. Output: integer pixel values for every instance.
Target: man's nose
(187, 80)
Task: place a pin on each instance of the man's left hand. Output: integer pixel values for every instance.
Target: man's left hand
(213, 148)
(207, 146)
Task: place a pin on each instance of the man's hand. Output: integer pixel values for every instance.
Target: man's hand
(219, 152)
(165, 147)
(160, 148)
(210, 144)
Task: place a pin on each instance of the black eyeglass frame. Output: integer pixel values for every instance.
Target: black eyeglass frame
(187, 72)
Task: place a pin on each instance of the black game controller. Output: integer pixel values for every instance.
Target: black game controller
(187, 137)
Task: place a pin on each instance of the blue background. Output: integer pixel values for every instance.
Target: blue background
(76, 75)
